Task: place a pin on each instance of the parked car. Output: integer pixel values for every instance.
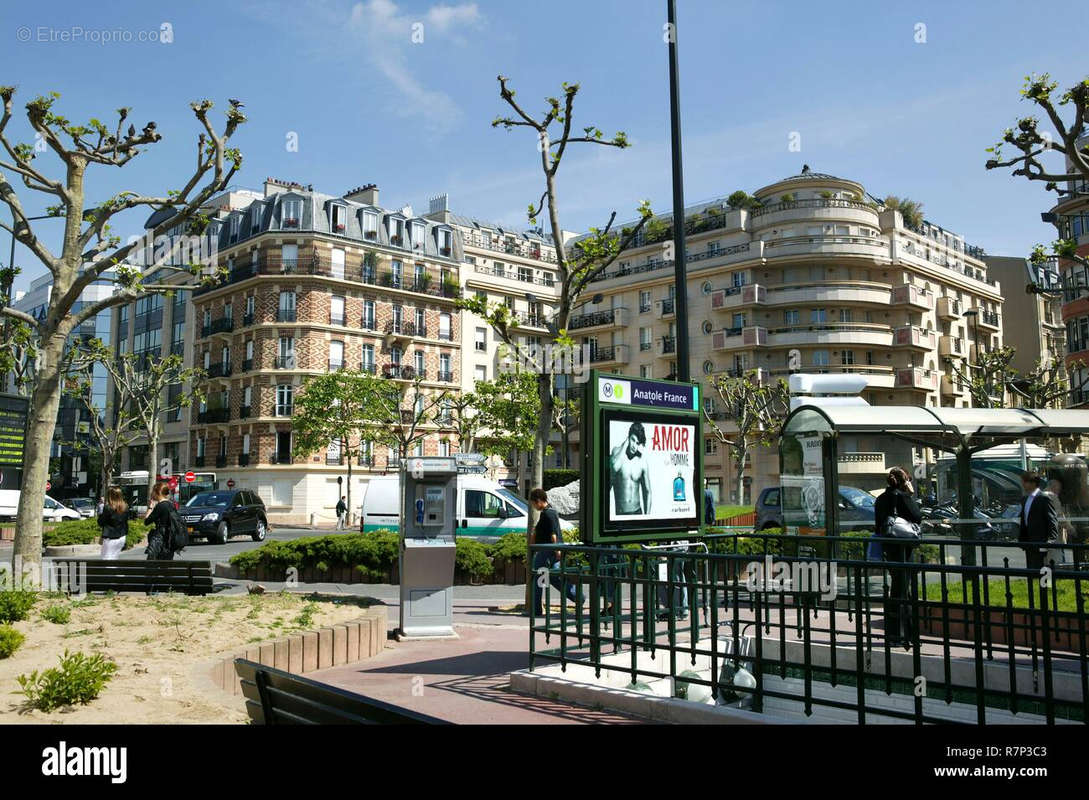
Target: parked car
(221, 514)
(855, 508)
(58, 512)
(485, 510)
(84, 505)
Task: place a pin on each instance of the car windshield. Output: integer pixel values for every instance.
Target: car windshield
(514, 499)
(213, 499)
(82, 503)
(857, 497)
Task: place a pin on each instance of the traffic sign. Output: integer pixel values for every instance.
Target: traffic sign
(173, 482)
(48, 486)
(230, 483)
(190, 477)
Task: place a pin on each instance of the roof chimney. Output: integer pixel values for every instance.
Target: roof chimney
(275, 186)
(439, 208)
(367, 194)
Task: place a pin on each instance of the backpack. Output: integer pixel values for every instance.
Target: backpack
(179, 534)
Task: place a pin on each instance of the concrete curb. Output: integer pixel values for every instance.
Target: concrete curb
(299, 653)
(638, 704)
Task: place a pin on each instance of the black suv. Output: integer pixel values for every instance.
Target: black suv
(221, 514)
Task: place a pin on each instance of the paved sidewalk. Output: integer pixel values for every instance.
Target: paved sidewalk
(463, 680)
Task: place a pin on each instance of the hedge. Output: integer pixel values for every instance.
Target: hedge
(86, 531)
(559, 477)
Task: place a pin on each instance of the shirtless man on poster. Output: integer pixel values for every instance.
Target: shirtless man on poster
(628, 473)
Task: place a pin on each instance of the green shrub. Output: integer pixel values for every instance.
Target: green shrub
(509, 547)
(373, 554)
(15, 604)
(10, 641)
(58, 615)
(78, 679)
(559, 477)
(471, 557)
(86, 531)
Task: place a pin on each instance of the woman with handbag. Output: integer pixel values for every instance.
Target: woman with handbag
(896, 520)
(114, 521)
(159, 546)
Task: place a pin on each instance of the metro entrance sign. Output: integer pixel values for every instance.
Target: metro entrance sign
(642, 467)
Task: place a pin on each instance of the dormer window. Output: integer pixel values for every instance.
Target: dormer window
(396, 231)
(255, 218)
(370, 225)
(338, 218)
(417, 230)
(235, 220)
(292, 216)
(444, 239)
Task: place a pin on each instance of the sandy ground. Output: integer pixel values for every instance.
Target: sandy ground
(162, 647)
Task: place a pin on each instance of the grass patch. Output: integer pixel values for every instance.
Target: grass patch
(58, 615)
(15, 604)
(77, 680)
(726, 511)
(10, 641)
(1063, 598)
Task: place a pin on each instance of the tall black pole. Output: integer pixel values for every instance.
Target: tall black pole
(679, 256)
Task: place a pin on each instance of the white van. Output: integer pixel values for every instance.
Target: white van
(485, 510)
(52, 511)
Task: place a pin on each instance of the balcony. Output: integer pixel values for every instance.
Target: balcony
(987, 319)
(668, 307)
(831, 293)
(404, 372)
(244, 412)
(736, 296)
(914, 337)
(367, 324)
(214, 416)
(248, 319)
(611, 318)
(285, 362)
(521, 319)
(221, 461)
(667, 347)
(617, 354)
(916, 378)
(445, 376)
(283, 410)
(336, 366)
(367, 367)
(279, 458)
(948, 308)
(334, 461)
(951, 347)
(400, 330)
(247, 364)
(220, 369)
(286, 315)
(912, 296)
(198, 461)
(336, 319)
(732, 338)
(243, 459)
(951, 387)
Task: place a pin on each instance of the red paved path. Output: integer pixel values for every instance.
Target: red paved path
(462, 680)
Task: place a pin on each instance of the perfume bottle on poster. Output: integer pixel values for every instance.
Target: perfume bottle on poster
(678, 487)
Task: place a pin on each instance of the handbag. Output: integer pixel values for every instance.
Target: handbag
(900, 528)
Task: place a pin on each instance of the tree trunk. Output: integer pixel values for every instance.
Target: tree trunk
(153, 462)
(44, 403)
(348, 512)
(739, 474)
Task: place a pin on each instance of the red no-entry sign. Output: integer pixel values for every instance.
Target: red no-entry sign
(230, 483)
(48, 486)
(190, 477)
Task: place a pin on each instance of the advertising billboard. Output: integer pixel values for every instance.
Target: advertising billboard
(643, 463)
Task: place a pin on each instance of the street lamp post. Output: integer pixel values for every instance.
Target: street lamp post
(679, 262)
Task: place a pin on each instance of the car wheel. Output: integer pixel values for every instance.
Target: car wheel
(261, 531)
(223, 533)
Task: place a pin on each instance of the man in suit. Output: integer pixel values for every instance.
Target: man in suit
(1039, 521)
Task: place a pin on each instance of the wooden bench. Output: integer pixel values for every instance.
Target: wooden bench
(125, 575)
(275, 697)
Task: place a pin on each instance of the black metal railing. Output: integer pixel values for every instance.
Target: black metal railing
(280, 458)
(815, 626)
(286, 315)
(446, 376)
(247, 364)
(285, 362)
(221, 461)
(214, 415)
(198, 461)
(221, 369)
(368, 367)
(244, 412)
(243, 459)
(667, 306)
(592, 319)
(669, 344)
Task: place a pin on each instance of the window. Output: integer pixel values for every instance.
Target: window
(245, 444)
(396, 271)
(287, 311)
(339, 216)
(247, 396)
(792, 317)
(287, 353)
(367, 362)
(644, 371)
(645, 339)
(416, 231)
(444, 241)
(480, 373)
(289, 257)
(482, 504)
(396, 230)
(421, 322)
(284, 400)
(235, 221)
(255, 217)
(444, 326)
(292, 213)
(418, 358)
(336, 355)
(644, 300)
(398, 318)
(336, 263)
(847, 357)
(370, 225)
(444, 448)
(481, 340)
(251, 306)
(845, 315)
(820, 358)
(818, 316)
(444, 367)
(336, 310)
(368, 315)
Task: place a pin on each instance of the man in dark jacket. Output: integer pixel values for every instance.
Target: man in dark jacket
(342, 514)
(1039, 521)
(897, 501)
(547, 532)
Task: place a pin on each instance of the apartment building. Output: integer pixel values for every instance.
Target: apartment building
(317, 282)
(817, 276)
(1032, 323)
(1071, 218)
(74, 471)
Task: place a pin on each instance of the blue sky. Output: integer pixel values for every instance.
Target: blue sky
(368, 104)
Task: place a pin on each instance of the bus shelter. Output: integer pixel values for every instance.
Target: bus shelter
(833, 459)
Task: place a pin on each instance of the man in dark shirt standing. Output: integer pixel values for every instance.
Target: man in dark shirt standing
(547, 532)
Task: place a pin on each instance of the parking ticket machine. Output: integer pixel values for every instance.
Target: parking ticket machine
(428, 520)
